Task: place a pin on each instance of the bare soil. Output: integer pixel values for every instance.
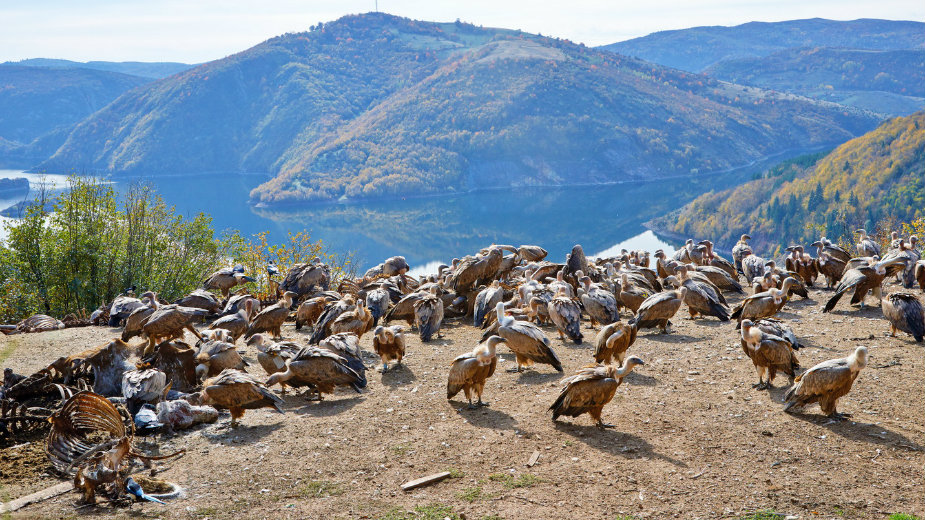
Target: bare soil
(693, 439)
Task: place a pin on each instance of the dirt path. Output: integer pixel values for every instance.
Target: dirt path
(692, 438)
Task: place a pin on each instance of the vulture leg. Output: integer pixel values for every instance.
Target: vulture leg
(469, 397)
(892, 330)
(308, 395)
(194, 331)
(595, 414)
(478, 394)
(760, 385)
(236, 413)
(839, 416)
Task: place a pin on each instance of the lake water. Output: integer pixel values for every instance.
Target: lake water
(433, 230)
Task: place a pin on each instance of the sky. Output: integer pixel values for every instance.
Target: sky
(195, 31)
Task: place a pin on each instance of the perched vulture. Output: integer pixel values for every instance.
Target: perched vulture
(404, 308)
(526, 341)
(168, 322)
(469, 371)
(862, 280)
(826, 382)
(612, 342)
(357, 321)
(715, 261)
(310, 311)
(237, 302)
(272, 318)
(304, 279)
(396, 265)
(236, 391)
(590, 389)
(319, 369)
(389, 344)
(683, 255)
(657, 309)
(905, 313)
(532, 253)
(216, 356)
(377, 301)
(566, 316)
(473, 271)
(599, 303)
(201, 299)
(764, 304)
(236, 324)
(768, 353)
(225, 279)
(630, 294)
(428, 314)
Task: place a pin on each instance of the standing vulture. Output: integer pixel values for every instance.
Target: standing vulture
(272, 318)
(347, 346)
(428, 314)
(701, 298)
(712, 259)
(905, 313)
(777, 328)
(802, 264)
(169, 322)
(396, 265)
(590, 389)
(329, 315)
(357, 321)
(740, 251)
(236, 324)
(866, 245)
(389, 344)
(486, 301)
(829, 266)
(764, 304)
(566, 315)
(826, 382)
(273, 356)
(599, 303)
(920, 274)
(225, 279)
(236, 391)
(475, 270)
(201, 299)
(122, 306)
(768, 353)
(612, 342)
(862, 280)
(469, 371)
(319, 369)
(138, 317)
(657, 309)
(377, 301)
(307, 278)
(526, 341)
(216, 356)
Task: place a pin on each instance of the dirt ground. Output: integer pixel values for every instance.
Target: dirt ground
(692, 438)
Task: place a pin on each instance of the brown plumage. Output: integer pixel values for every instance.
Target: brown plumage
(378, 300)
(632, 295)
(309, 312)
(236, 302)
(304, 279)
(832, 268)
(485, 302)
(347, 346)
(236, 324)
(532, 253)
(826, 382)
(905, 312)
(802, 264)
(716, 261)
(331, 312)
(404, 309)
(389, 344)
(428, 314)
(272, 356)
(720, 278)
(566, 316)
(599, 303)
(357, 321)
(861, 280)
(216, 356)
(469, 371)
(142, 386)
(272, 318)
(225, 279)
(109, 363)
(764, 304)
(702, 298)
(612, 342)
(657, 309)
(526, 341)
(920, 274)
(169, 322)
(319, 369)
(768, 353)
(178, 361)
(473, 271)
(590, 389)
(201, 299)
(740, 251)
(138, 317)
(236, 391)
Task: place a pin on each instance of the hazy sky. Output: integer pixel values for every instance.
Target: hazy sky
(201, 30)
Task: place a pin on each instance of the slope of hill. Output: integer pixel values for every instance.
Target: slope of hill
(36, 104)
(153, 70)
(883, 81)
(697, 48)
(374, 105)
(876, 177)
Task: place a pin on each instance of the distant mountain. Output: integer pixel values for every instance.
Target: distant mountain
(40, 106)
(892, 82)
(154, 70)
(697, 48)
(374, 105)
(875, 178)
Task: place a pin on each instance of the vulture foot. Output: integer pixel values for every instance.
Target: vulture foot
(481, 403)
(602, 425)
(839, 416)
(514, 370)
(761, 385)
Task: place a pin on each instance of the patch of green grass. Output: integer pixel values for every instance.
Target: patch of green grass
(401, 449)
(762, 515)
(470, 494)
(8, 350)
(455, 473)
(492, 517)
(320, 488)
(903, 516)
(568, 443)
(431, 512)
(203, 512)
(521, 481)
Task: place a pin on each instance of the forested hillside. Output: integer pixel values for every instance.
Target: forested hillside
(878, 177)
(373, 105)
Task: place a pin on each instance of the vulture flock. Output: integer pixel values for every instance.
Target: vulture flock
(510, 293)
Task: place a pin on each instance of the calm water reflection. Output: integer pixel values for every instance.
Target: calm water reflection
(436, 229)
